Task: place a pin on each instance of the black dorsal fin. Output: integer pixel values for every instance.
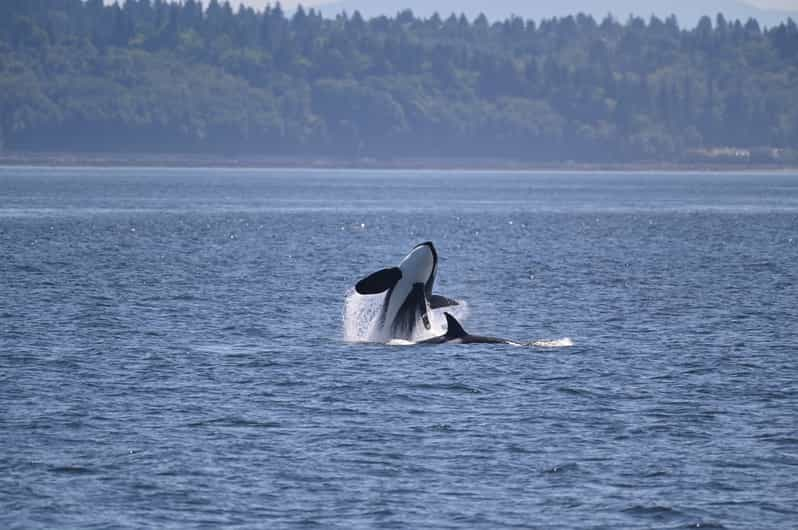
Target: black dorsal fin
(453, 328)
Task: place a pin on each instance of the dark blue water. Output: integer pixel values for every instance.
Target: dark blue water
(172, 354)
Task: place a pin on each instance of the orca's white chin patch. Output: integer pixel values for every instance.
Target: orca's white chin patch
(419, 265)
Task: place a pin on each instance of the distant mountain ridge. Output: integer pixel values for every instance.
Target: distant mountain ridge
(687, 12)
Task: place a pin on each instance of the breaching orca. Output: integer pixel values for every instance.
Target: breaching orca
(455, 334)
(409, 295)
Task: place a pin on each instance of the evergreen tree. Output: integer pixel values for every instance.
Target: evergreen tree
(155, 75)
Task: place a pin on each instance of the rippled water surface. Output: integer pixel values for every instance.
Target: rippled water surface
(172, 353)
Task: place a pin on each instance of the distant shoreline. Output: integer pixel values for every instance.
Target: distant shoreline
(310, 162)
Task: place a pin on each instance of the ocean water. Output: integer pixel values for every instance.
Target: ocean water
(173, 353)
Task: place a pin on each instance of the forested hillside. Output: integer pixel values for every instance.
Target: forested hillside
(152, 76)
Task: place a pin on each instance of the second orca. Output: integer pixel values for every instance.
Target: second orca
(455, 334)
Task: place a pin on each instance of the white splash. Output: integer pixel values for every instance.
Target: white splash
(400, 342)
(361, 318)
(557, 343)
(360, 314)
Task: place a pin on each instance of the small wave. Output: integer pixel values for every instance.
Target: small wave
(561, 468)
(574, 391)
(26, 268)
(655, 511)
(71, 470)
(233, 422)
(449, 387)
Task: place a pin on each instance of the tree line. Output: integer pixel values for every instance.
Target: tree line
(159, 76)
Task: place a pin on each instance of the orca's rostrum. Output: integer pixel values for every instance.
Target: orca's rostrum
(408, 293)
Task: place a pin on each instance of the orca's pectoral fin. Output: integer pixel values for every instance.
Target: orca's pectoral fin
(379, 282)
(453, 328)
(437, 301)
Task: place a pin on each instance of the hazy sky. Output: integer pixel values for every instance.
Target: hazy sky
(785, 5)
(789, 5)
